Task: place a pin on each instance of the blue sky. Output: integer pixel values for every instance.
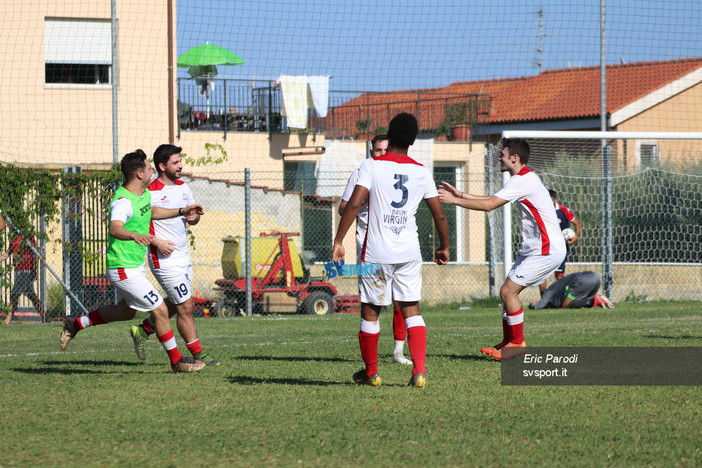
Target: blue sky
(386, 45)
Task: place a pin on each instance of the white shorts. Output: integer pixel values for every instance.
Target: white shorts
(534, 269)
(176, 281)
(399, 281)
(131, 285)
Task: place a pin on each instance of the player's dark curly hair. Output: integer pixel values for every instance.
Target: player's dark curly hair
(403, 130)
(517, 146)
(377, 138)
(163, 153)
(132, 163)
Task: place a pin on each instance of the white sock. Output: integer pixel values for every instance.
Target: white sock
(84, 321)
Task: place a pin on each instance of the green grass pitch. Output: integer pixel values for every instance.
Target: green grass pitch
(284, 396)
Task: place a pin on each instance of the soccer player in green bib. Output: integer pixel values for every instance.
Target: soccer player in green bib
(130, 217)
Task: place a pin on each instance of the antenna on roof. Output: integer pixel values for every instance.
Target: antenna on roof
(539, 61)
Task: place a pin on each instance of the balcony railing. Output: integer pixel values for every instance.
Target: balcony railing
(237, 105)
(359, 114)
(229, 105)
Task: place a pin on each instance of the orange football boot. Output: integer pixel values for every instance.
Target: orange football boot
(497, 347)
(509, 351)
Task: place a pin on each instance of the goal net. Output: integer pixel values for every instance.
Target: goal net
(638, 197)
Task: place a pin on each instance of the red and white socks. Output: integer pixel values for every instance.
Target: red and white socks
(417, 342)
(368, 340)
(369, 335)
(399, 331)
(515, 325)
(149, 327)
(194, 347)
(506, 331)
(92, 319)
(168, 342)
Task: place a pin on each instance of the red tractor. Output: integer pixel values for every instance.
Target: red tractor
(282, 284)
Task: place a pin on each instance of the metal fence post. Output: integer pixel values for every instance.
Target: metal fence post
(492, 251)
(73, 236)
(226, 111)
(43, 292)
(247, 229)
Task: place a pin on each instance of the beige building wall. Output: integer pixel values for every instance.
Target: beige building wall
(261, 152)
(264, 155)
(666, 117)
(66, 124)
(472, 163)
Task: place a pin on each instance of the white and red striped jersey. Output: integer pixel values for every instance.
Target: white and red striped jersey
(396, 186)
(174, 229)
(541, 232)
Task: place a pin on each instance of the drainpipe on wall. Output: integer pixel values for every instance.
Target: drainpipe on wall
(171, 120)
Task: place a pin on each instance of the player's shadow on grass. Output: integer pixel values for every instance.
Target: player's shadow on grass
(67, 367)
(69, 371)
(461, 357)
(247, 380)
(294, 359)
(87, 362)
(679, 337)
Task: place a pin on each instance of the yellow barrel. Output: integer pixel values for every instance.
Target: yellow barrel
(263, 253)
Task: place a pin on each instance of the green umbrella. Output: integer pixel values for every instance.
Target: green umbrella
(208, 54)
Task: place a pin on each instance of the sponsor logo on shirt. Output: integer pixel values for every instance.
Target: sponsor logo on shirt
(340, 268)
(396, 221)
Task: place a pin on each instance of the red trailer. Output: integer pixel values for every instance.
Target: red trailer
(278, 289)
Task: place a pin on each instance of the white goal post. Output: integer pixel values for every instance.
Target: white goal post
(609, 135)
(596, 161)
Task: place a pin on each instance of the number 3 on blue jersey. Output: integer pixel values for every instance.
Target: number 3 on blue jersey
(399, 185)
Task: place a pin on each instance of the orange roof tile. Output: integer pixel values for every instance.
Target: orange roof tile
(558, 94)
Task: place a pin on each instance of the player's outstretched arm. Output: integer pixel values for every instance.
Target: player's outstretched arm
(471, 202)
(436, 209)
(158, 212)
(450, 189)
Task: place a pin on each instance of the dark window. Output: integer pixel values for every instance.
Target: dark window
(317, 229)
(649, 155)
(316, 214)
(299, 177)
(77, 73)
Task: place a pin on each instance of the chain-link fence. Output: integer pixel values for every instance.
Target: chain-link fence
(293, 218)
(24, 287)
(656, 190)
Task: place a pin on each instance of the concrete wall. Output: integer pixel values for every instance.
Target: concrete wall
(461, 283)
